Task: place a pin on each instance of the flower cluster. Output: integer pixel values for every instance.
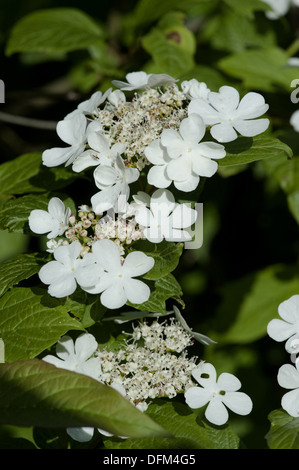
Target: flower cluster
(287, 329)
(158, 134)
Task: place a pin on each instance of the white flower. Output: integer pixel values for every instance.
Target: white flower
(114, 182)
(227, 114)
(279, 8)
(189, 158)
(117, 98)
(61, 273)
(294, 120)
(73, 132)
(90, 106)
(165, 219)
(288, 377)
(55, 221)
(77, 356)
(219, 394)
(99, 153)
(113, 278)
(195, 89)
(139, 80)
(288, 327)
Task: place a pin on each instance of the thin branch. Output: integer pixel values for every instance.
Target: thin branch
(27, 122)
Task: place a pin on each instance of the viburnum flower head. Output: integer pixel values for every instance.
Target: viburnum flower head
(227, 115)
(77, 355)
(182, 157)
(288, 377)
(61, 273)
(113, 277)
(286, 328)
(140, 80)
(54, 221)
(218, 394)
(165, 219)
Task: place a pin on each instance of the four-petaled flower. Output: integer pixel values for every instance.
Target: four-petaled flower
(77, 356)
(288, 327)
(226, 114)
(219, 394)
(113, 278)
(187, 158)
(55, 221)
(165, 219)
(288, 377)
(140, 80)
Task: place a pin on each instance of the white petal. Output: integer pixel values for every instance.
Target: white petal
(251, 128)
(60, 290)
(98, 142)
(84, 434)
(216, 412)
(290, 403)
(205, 110)
(226, 100)
(72, 131)
(203, 166)
(172, 140)
(137, 263)
(205, 375)
(183, 216)
(65, 347)
(162, 203)
(104, 176)
(238, 402)
(211, 150)
(57, 155)
(85, 160)
(280, 330)
(252, 105)
(114, 297)
(179, 169)
(157, 176)
(107, 255)
(228, 382)
(136, 291)
(42, 222)
(288, 376)
(223, 132)
(289, 309)
(197, 397)
(189, 184)
(155, 153)
(192, 129)
(85, 346)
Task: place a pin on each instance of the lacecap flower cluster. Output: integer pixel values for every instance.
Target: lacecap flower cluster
(157, 135)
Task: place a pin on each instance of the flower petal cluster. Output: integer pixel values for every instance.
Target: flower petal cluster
(165, 219)
(140, 80)
(218, 394)
(54, 221)
(181, 158)
(288, 377)
(286, 328)
(195, 89)
(227, 114)
(61, 273)
(113, 277)
(77, 356)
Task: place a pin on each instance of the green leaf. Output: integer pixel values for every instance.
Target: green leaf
(247, 7)
(26, 174)
(188, 431)
(250, 149)
(165, 254)
(86, 307)
(284, 431)
(31, 321)
(19, 268)
(264, 69)
(165, 288)
(166, 51)
(35, 393)
(286, 173)
(53, 30)
(249, 303)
